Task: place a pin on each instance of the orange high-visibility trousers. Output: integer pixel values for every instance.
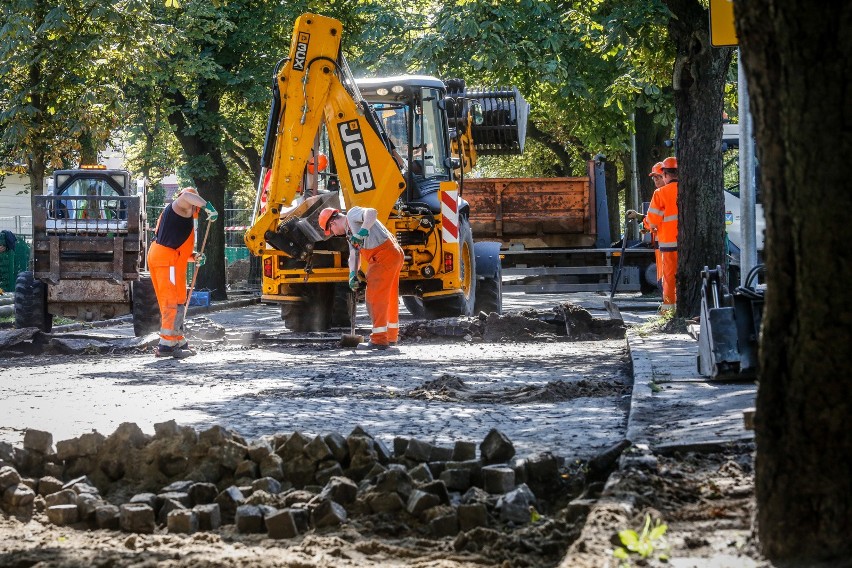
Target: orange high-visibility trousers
(168, 274)
(383, 265)
(669, 274)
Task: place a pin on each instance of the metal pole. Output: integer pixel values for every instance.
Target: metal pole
(748, 225)
(634, 180)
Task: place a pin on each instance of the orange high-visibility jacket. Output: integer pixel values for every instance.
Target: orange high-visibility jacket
(662, 214)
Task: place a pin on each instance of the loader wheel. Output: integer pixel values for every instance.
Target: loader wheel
(414, 305)
(31, 303)
(489, 295)
(313, 312)
(146, 310)
(461, 304)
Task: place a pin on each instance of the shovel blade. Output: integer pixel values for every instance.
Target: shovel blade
(349, 340)
(613, 311)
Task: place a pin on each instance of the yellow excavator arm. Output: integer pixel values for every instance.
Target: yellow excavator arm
(314, 88)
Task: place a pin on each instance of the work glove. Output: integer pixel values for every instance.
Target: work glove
(199, 258)
(633, 214)
(212, 214)
(357, 239)
(353, 281)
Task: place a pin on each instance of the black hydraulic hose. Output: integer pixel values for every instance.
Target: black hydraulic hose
(272, 123)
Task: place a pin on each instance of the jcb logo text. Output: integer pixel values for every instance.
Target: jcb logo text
(356, 156)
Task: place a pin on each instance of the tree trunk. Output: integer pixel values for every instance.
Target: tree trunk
(797, 65)
(699, 80)
(650, 149)
(213, 275)
(611, 177)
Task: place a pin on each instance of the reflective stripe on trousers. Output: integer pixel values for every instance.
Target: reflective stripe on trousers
(383, 265)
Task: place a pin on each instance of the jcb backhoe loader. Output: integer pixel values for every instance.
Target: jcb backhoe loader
(399, 145)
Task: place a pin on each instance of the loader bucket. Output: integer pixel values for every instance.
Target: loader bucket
(504, 128)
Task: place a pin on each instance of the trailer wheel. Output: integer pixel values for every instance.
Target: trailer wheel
(414, 305)
(489, 295)
(313, 312)
(31, 303)
(460, 304)
(146, 309)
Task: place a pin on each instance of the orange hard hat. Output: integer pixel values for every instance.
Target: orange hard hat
(657, 170)
(670, 163)
(321, 162)
(325, 217)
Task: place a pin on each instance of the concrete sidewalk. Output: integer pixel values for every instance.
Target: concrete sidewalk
(673, 407)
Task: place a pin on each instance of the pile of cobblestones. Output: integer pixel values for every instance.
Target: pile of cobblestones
(185, 481)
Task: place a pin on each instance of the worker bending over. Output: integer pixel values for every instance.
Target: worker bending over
(384, 260)
(662, 217)
(168, 259)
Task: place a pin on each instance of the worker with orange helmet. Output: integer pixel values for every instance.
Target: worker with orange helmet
(656, 176)
(662, 216)
(168, 259)
(368, 237)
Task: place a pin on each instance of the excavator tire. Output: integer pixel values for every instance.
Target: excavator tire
(31, 303)
(146, 310)
(313, 313)
(340, 306)
(461, 304)
(414, 305)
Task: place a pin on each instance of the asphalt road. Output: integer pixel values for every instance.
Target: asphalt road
(316, 388)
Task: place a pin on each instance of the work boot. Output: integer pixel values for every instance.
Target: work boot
(369, 346)
(184, 345)
(177, 352)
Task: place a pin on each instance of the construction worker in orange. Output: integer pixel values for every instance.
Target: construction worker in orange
(662, 217)
(656, 176)
(168, 259)
(371, 240)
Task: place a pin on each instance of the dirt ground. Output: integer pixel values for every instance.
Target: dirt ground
(706, 501)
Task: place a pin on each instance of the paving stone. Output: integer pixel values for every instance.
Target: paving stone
(136, 518)
(179, 496)
(543, 473)
(324, 474)
(209, 516)
(456, 479)
(440, 453)
(437, 488)
(515, 505)
(166, 507)
(339, 447)
(418, 451)
(395, 481)
(182, 486)
(249, 519)
(67, 449)
(63, 515)
(498, 479)
(384, 502)
(246, 469)
(18, 496)
(63, 497)
(90, 444)
(399, 446)
(340, 490)
(272, 466)
(293, 447)
(267, 484)
(419, 501)
(87, 504)
(496, 448)
(146, 499)
(317, 450)
(8, 476)
(38, 440)
(463, 451)
(228, 501)
(328, 514)
(447, 525)
(281, 524)
(421, 473)
(184, 521)
(259, 450)
(107, 517)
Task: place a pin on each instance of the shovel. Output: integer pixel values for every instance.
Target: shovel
(195, 272)
(609, 304)
(350, 339)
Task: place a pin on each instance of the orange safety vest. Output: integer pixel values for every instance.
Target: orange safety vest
(662, 213)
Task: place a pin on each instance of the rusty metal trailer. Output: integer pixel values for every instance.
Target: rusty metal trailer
(554, 234)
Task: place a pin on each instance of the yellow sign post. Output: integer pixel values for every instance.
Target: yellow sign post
(722, 31)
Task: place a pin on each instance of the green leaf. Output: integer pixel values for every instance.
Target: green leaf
(620, 553)
(628, 537)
